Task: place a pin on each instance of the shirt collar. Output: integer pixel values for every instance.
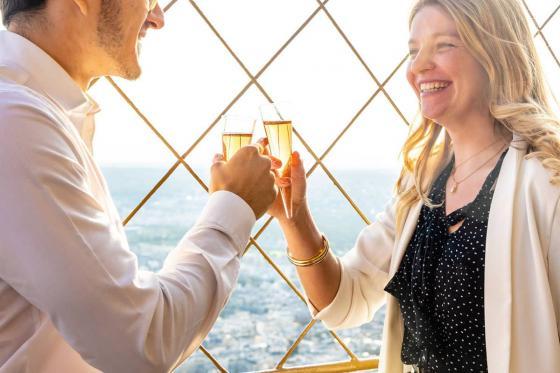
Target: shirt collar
(43, 74)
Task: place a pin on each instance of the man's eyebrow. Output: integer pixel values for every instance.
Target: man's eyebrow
(437, 34)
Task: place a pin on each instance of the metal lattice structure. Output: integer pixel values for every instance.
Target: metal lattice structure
(180, 155)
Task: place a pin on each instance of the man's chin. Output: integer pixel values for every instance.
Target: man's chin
(134, 74)
(130, 71)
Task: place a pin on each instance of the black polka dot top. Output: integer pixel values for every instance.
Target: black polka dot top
(440, 283)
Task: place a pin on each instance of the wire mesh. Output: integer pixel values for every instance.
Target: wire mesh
(354, 363)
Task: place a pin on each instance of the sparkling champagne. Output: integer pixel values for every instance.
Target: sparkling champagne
(232, 142)
(279, 134)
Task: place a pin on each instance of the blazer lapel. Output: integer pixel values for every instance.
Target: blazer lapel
(405, 237)
(498, 263)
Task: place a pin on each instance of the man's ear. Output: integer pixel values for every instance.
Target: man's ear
(83, 5)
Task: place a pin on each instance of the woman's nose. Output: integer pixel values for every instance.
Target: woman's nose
(423, 61)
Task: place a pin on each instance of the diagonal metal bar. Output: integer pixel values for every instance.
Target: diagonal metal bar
(301, 336)
(333, 179)
(278, 270)
(297, 292)
(356, 116)
(156, 132)
(226, 45)
(169, 5)
(259, 232)
(147, 197)
(541, 33)
(547, 20)
(212, 359)
(293, 347)
(208, 355)
(165, 142)
(362, 61)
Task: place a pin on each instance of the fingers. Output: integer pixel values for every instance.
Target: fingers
(256, 147)
(297, 165)
(262, 143)
(261, 146)
(218, 158)
(299, 182)
(295, 171)
(283, 182)
(275, 163)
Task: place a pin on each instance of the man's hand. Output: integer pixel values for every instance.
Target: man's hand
(249, 175)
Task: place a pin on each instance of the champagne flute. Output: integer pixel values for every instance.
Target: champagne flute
(278, 128)
(237, 132)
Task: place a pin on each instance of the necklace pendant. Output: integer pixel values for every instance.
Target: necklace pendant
(454, 188)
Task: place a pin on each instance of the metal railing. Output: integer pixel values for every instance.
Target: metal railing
(354, 363)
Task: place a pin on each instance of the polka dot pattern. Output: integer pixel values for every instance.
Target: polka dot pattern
(440, 283)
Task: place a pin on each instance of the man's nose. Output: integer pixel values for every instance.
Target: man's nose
(155, 18)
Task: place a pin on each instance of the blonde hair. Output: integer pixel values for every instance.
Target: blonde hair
(497, 34)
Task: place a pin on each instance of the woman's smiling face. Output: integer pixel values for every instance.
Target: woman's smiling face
(448, 80)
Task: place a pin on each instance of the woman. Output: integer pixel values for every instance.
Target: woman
(467, 255)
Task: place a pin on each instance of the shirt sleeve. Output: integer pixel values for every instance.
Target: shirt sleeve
(62, 252)
(554, 263)
(364, 274)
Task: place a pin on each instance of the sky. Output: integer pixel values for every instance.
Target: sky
(189, 78)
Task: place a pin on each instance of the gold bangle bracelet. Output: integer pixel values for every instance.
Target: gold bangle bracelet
(321, 255)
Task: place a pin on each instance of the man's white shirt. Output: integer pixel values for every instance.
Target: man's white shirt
(72, 298)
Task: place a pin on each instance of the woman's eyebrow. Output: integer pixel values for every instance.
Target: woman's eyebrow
(437, 34)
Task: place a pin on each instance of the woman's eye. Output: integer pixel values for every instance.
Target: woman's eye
(412, 53)
(446, 46)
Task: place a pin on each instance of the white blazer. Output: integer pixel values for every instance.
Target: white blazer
(522, 273)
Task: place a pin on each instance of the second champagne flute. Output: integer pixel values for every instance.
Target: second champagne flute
(278, 128)
(238, 132)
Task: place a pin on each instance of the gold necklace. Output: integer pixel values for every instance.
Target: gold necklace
(457, 165)
(457, 182)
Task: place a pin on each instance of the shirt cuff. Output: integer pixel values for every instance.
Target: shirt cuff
(336, 313)
(230, 214)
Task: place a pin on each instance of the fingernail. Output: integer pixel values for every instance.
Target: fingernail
(295, 158)
(284, 181)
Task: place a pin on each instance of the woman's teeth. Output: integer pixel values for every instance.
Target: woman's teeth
(432, 87)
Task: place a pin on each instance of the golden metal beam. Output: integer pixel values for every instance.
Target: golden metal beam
(343, 366)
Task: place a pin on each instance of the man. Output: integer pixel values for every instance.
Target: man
(71, 296)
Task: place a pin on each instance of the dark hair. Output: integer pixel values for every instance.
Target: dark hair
(11, 8)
